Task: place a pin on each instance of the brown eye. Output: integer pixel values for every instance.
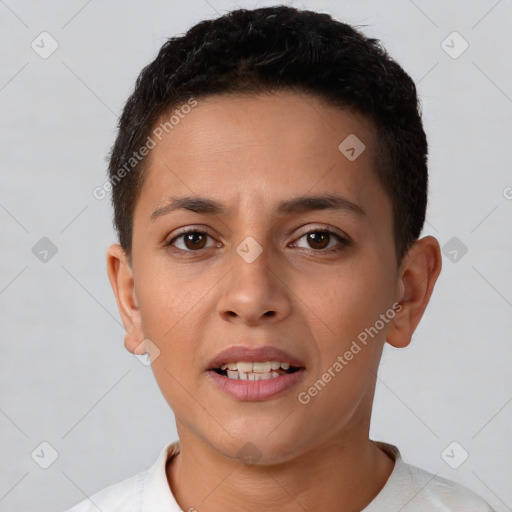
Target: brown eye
(191, 241)
(318, 239)
(194, 240)
(322, 241)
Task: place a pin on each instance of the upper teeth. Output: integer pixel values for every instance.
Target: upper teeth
(259, 367)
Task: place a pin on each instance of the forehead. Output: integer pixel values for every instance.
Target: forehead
(259, 149)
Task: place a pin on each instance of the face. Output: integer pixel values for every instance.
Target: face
(289, 247)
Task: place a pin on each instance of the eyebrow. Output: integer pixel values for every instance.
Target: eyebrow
(300, 204)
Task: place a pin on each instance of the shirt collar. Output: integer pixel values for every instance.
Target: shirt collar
(392, 496)
(157, 496)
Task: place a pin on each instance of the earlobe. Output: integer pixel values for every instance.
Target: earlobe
(418, 274)
(121, 279)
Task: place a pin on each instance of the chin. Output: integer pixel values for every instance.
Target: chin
(262, 441)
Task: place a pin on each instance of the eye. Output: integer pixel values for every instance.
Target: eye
(322, 240)
(191, 240)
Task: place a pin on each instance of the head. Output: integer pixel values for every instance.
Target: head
(291, 149)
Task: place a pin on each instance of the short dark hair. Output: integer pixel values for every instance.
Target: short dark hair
(277, 49)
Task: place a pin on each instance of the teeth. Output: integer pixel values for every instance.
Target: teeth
(236, 375)
(262, 367)
(260, 370)
(229, 366)
(244, 367)
(258, 367)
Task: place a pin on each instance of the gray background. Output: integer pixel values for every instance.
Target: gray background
(65, 376)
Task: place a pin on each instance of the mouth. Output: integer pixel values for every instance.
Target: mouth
(255, 373)
(259, 370)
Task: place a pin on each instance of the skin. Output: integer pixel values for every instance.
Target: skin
(303, 296)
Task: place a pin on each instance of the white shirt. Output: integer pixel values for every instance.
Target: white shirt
(408, 489)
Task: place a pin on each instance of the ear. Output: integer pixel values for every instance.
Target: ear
(418, 274)
(120, 275)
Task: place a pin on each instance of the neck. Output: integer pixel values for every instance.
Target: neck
(333, 473)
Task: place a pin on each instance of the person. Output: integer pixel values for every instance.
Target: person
(269, 183)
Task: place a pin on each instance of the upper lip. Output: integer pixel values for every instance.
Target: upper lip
(253, 354)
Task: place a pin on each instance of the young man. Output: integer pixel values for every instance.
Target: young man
(269, 183)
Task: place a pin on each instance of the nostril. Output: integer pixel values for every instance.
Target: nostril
(270, 313)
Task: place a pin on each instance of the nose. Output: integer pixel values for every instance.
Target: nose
(254, 292)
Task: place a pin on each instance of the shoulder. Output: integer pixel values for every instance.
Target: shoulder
(412, 489)
(441, 494)
(147, 491)
(125, 495)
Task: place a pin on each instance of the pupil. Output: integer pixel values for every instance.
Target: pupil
(318, 240)
(193, 240)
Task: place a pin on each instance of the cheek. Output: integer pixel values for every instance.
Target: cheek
(349, 347)
(171, 317)
(166, 296)
(348, 309)
(352, 297)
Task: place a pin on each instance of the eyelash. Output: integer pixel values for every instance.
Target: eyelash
(343, 242)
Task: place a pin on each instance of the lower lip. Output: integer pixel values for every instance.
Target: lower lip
(254, 390)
